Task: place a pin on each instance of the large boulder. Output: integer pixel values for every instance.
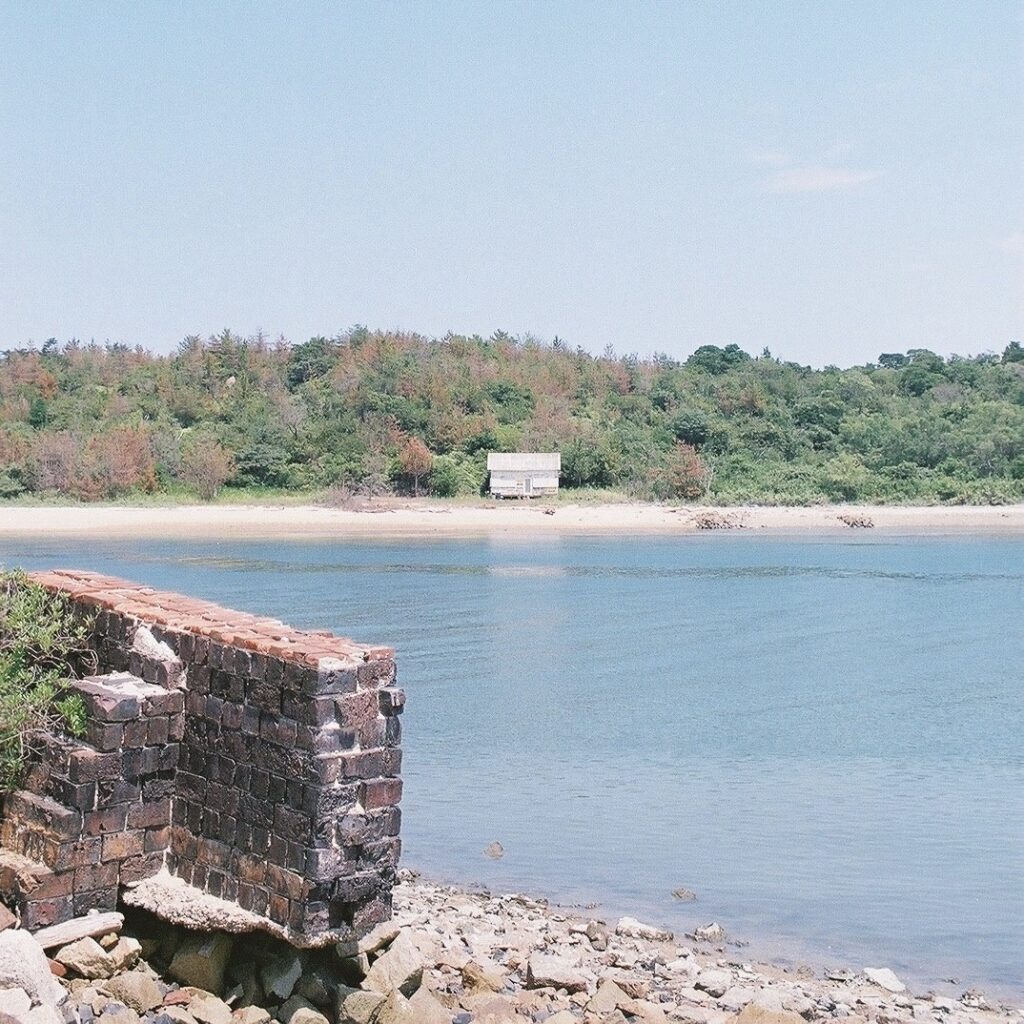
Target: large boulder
(883, 977)
(280, 975)
(607, 999)
(546, 971)
(400, 968)
(23, 965)
(757, 1013)
(356, 1006)
(208, 1009)
(483, 977)
(87, 958)
(136, 990)
(394, 1010)
(200, 961)
(426, 1009)
(14, 1002)
(251, 1015)
(715, 982)
(631, 928)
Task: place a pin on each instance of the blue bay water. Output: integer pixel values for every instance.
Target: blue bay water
(822, 738)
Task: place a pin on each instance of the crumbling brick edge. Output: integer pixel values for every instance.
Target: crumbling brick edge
(257, 763)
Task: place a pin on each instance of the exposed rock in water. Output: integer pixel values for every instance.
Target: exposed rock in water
(884, 978)
(494, 850)
(713, 932)
(634, 929)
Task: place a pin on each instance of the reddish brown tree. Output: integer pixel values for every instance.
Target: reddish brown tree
(687, 475)
(416, 461)
(206, 466)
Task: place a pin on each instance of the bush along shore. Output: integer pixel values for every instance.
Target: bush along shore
(367, 412)
(449, 956)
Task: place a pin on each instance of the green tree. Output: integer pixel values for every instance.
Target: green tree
(43, 644)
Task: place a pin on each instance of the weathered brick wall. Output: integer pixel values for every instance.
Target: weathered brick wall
(275, 785)
(97, 814)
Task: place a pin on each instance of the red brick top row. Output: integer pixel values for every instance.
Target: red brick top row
(204, 618)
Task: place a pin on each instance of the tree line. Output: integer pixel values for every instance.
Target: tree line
(376, 411)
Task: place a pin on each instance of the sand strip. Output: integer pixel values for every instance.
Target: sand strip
(410, 518)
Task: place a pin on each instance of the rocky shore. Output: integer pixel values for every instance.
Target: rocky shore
(449, 956)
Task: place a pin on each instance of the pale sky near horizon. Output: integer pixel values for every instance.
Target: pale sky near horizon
(829, 179)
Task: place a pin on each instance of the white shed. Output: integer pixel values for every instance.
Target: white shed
(524, 474)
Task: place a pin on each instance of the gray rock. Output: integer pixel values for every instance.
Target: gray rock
(15, 1002)
(290, 1007)
(546, 971)
(395, 1010)
(280, 975)
(174, 1015)
(884, 978)
(606, 999)
(684, 895)
(379, 937)
(44, 1014)
(426, 1009)
(87, 958)
(634, 929)
(116, 1013)
(754, 1013)
(136, 990)
(487, 977)
(208, 1009)
(974, 999)
(494, 1010)
(494, 850)
(125, 954)
(317, 986)
(149, 647)
(23, 965)
(714, 982)
(736, 997)
(686, 967)
(247, 976)
(641, 1011)
(251, 1015)
(200, 961)
(356, 1006)
(307, 1015)
(712, 932)
(598, 935)
(400, 968)
(769, 1001)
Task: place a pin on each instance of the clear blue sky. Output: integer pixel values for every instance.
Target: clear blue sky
(831, 179)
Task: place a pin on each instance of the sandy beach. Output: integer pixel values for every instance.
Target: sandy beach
(421, 518)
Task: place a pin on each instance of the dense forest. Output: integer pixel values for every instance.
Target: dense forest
(367, 412)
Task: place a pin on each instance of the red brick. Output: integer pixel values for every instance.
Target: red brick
(380, 793)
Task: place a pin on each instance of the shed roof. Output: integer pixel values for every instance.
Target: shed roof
(540, 462)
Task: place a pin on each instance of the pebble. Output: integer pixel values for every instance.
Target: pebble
(453, 956)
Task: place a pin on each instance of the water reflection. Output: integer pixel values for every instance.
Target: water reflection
(821, 739)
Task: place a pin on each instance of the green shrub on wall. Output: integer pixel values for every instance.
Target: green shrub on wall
(42, 645)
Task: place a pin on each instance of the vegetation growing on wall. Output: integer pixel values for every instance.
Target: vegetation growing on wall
(371, 411)
(42, 645)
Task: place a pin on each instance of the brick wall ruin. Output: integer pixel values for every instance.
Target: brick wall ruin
(257, 763)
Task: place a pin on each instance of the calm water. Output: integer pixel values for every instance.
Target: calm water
(822, 738)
